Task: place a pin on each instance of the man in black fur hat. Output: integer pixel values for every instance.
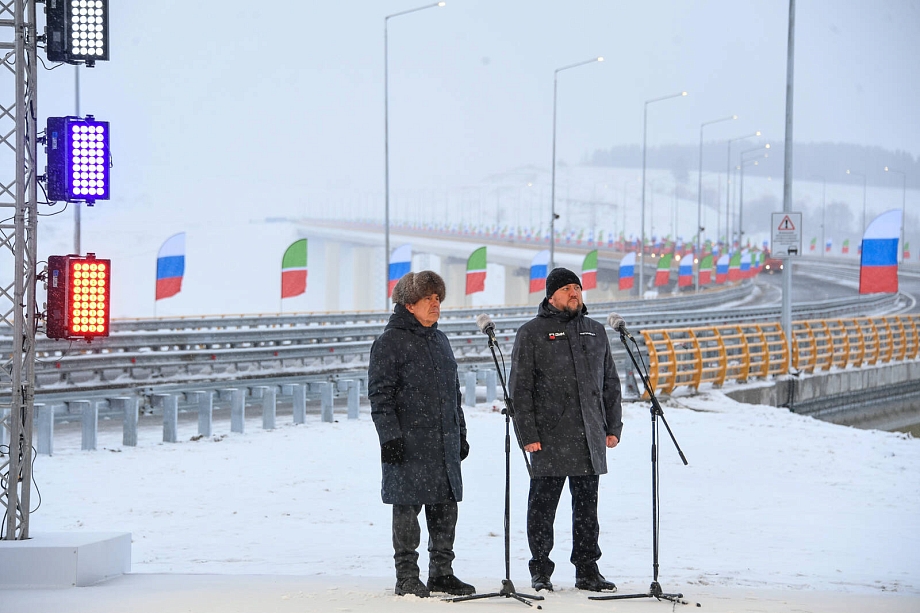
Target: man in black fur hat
(568, 412)
(414, 392)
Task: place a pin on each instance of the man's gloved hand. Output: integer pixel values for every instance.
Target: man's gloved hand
(393, 451)
(464, 448)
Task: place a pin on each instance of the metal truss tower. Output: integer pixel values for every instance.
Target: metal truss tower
(18, 266)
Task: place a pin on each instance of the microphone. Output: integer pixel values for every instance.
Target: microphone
(618, 324)
(486, 325)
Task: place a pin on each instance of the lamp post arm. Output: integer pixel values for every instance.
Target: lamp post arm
(416, 9)
(678, 95)
(591, 61)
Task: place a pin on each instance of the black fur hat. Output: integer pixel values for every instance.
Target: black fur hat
(414, 286)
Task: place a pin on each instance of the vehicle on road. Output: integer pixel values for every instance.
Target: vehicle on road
(772, 265)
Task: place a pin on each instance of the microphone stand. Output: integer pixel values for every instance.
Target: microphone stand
(654, 590)
(507, 590)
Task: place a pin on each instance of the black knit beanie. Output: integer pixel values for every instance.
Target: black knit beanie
(560, 277)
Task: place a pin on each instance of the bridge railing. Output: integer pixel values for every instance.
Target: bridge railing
(690, 357)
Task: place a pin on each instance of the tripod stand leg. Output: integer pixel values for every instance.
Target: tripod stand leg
(507, 591)
(654, 591)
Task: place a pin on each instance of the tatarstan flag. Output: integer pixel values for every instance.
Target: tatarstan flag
(476, 272)
(734, 267)
(589, 271)
(663, 273)
(294, 269)
(706, 270)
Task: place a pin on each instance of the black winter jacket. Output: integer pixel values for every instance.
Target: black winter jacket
(561, 363)
(414, 393)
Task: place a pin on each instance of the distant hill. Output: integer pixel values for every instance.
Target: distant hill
(810, 161)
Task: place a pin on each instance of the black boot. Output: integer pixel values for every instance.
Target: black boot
(541, 582)
(450, 585)
(413, 586)
(595, 583)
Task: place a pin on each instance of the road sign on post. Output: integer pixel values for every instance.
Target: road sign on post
(787, 235)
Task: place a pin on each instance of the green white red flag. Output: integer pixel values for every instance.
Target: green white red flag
(589, 271)
(476, 272)
(294, 270)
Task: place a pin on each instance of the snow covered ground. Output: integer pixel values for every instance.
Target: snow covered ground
(775, 512)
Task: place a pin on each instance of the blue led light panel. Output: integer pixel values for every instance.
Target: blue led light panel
(78, 159)
(88, 168)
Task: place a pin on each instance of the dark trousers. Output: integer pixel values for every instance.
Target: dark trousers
(541, 513)
(442, 524)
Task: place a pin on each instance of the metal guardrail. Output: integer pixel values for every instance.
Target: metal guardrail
(147, 354)
(690, 357)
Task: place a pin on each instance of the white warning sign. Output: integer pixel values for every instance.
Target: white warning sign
(787, 234)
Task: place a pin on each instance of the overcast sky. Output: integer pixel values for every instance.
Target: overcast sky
(265, 104)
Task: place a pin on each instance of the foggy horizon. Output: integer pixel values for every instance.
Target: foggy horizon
(207, 103)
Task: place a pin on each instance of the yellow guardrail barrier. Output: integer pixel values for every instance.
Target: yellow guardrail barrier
(689, 357)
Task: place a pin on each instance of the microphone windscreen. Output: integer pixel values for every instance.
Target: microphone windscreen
(615, 321)
(484, 322)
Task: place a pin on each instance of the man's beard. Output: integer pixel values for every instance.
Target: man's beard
(571, 310)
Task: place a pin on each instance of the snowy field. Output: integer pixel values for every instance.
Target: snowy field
(774, 511)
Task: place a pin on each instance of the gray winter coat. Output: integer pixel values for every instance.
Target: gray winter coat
(565, 391)
(414, 392)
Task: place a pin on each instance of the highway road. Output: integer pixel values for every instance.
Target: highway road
(811, 282)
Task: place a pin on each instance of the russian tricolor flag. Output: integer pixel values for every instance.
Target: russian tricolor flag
(627, 270)
(400, 264)
(685, 271)
(878, 269)
(171, 266)
(745, 264)
(538, 271)
(722, 268)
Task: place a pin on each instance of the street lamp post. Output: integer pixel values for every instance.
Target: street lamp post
(728, 190)
(386, 145)
(642, 220)
(823, 216)
(856, 174)
(903, 209)
(741, 189)
(626, 185)
(699, 195)
(552, 218)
